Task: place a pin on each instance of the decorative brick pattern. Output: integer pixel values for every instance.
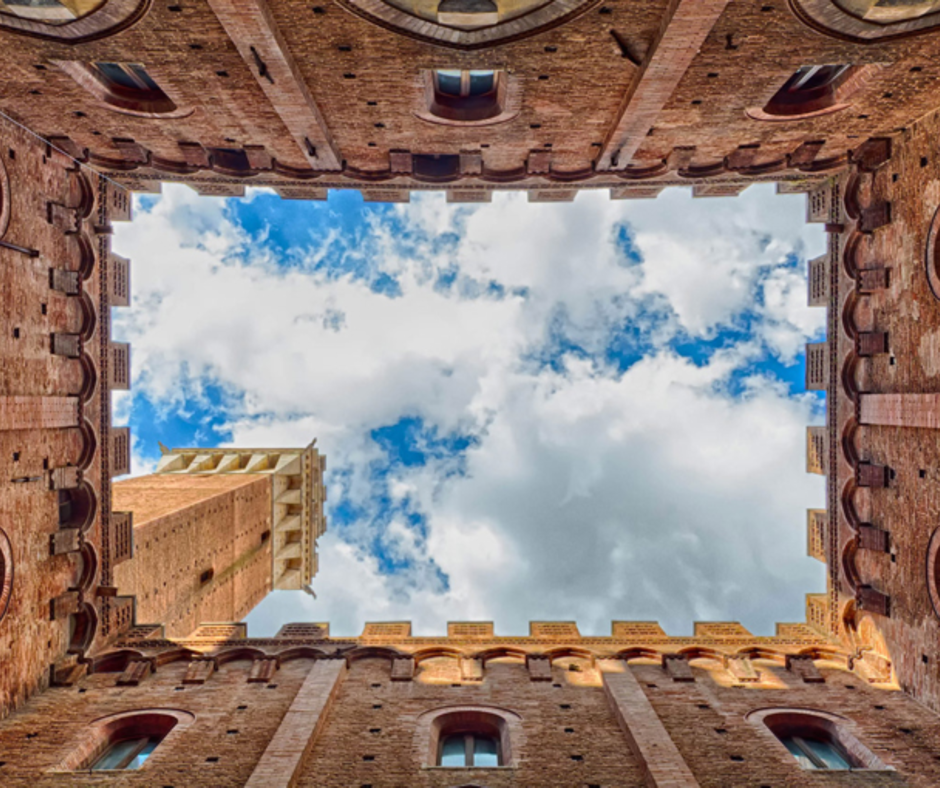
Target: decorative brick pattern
(119, 370)
(120, 451)
(38, 413)
(817, 366)
(819, 281)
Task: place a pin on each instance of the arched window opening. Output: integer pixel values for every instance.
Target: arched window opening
(129, 86)
(817, 740)
(813, 751)
(469, 749)
(123, 87)
(50, 12)
(6, 573)
(126, 754)
(470, 737)
(809, 89)
(887, 12)
(466, 95)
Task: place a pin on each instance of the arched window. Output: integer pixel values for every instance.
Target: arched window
(818, 740)
(470, 748)
(129, 86)
(128, 753)
(471, 737)
(123, 87)
(124, 741)
(810, 89)
(886, 12)
(466, 95)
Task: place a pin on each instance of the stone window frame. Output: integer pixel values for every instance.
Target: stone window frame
(826, 17)
(932, 255)
(434, 724)
(6, 573)
(120, 100)
(508, 100)
(784, 720)
(101, 733)
(109, 19)
(834, 98)
(933, 571)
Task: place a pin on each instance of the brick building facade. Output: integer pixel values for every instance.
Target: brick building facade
(100, 640)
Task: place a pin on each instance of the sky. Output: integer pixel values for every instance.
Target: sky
(589, 411)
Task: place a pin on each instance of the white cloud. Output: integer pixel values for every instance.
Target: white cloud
(590, 494)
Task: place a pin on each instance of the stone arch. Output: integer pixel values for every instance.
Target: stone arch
(89, 444)
(241, 652)
(89, 378)
(82, 507)
(105, 20)
(545, 17)
(437, 651)
(933, 571)
(569, 651)
(638, 652)
(83, 626)
(300, 652)
(6, 573)
(89, 567)
(89, 316)
(759, 652)
(373, 652)
(498, 652)
(114, 661)
(4, 200)
(175, 655)
(832, 18)
(932, 255)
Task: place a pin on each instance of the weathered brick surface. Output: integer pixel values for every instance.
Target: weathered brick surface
(895, 451)
(184, 526)
(44, 424)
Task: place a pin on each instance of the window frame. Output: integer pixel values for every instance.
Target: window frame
(501, 103)
(814, 724)
(489, 722)
(149, 99)
(470, 738)
(791, 102)
(142, 742)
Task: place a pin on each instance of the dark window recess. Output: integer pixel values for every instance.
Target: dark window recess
(809, 89)
(129, 86)
(265, 536)
(436, 167)
(466, 95)
(206, 576)
(232, 160)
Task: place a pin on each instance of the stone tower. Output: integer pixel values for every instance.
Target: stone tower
(215, 530)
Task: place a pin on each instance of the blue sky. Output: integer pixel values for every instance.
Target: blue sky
(586, 411)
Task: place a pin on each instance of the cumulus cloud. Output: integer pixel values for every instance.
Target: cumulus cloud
(598, 438)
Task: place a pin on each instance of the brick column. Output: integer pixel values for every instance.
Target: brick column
(285, 754)
(38, 413)
(901, 410)
(687, 24)
(651, 744)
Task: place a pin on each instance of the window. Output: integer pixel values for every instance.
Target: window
(470, 737)
(816, 752)
(126, 740)
(129, 85)
(810, 89)
(888, 12)
(469, 749)
(817, 740)
(466, 95)
(126, 754)
(125, 87)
